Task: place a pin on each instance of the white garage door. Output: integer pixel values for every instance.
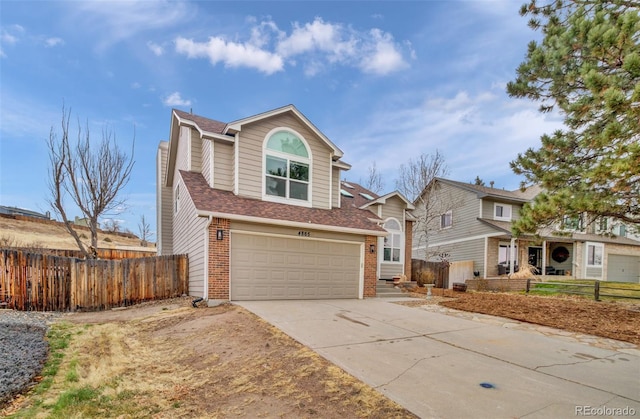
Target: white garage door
(623, 268)
(282, 268)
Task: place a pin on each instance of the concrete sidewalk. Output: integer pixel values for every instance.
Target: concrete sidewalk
(437, 365)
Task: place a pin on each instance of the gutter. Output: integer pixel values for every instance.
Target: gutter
(295, 224)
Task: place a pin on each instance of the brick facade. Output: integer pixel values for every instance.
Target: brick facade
(408, 244)
(370, 266)
(219, 260)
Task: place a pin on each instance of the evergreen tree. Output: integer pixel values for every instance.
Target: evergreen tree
(587, 66)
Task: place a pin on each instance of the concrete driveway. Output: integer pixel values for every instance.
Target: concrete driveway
(438, 365)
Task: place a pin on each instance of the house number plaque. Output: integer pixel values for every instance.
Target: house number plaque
(304, 233)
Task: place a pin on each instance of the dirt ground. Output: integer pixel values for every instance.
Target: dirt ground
(224, 361)
(23, 233)
(610, 319)
(169, 359)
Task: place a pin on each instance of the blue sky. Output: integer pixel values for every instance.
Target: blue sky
(385, 81)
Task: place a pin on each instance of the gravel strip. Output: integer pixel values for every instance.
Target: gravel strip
(23, 349)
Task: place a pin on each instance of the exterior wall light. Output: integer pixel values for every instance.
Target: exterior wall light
(372, 248)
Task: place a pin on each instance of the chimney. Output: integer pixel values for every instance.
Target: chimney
(491, 184)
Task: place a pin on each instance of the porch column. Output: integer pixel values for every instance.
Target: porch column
(544, 258)
(512, 252)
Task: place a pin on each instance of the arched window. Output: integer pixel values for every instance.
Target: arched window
(393, 241)
(287, 166)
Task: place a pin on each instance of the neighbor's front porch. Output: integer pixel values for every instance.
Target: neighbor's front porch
(548, 258)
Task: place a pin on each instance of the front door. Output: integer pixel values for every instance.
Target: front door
(535, 257)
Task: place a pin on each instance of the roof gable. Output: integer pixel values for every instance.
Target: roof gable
(360, 196)
(484, 191)
(235, 126)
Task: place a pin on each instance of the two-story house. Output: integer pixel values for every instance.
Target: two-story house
(256, 205)
(475, 225)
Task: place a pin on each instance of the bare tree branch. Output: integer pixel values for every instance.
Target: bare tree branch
(92, 178)
(374, 181)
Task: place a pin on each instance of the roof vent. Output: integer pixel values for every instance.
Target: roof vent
(366, 196)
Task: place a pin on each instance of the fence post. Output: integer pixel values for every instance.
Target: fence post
(528, 285)
(596, 290)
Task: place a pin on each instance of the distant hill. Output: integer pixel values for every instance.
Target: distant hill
(20, 231)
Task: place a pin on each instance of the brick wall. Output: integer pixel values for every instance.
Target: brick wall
(219, 260)
(370, 267)
(408, 243)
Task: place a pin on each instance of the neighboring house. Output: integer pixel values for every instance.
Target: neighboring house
(478, 228)
(394, 250)
(255, 203)
(24, 212)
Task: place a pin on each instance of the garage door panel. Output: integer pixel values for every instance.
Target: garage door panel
(623, 268)
(265, 267)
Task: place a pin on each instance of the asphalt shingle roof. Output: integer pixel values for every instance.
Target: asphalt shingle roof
(208, 199)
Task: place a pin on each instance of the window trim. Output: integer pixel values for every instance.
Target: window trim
(450, 214)
(289, 157)
(401, 243)
(504, 206)
(594, 245)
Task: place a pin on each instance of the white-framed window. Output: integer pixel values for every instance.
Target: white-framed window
(572, 223)
(595, 252)
(501, 212)
(504, 253)
(177, 199)
(446, 219)
(393, 246)
(287, 168)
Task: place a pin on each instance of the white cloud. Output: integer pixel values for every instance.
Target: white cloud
(232, 54)
(155, 48)
(479, 134)
(115, 22)
(315, 45)
(382, 55)
(135, 85)
(9, 35)
(174, 99)
(54, 41)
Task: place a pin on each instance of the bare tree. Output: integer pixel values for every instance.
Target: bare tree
(416, 182)
(91, 176)
(111, 225)
(145, 231)
(374, 180)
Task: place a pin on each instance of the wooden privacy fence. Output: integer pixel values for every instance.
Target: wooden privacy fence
(438, 269)
(102, 253)
(33, 281)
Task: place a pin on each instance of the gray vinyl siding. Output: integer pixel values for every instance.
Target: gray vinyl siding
(207, 149)
(182, 152)
(467, 250)
(465, 209)
(164, 198)
(335, 187)
(189, 238)
(593, 273)
(223, 166)
(389, 270)
(394, 207)
(196, 151)
(488, 205)
(251, 140)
